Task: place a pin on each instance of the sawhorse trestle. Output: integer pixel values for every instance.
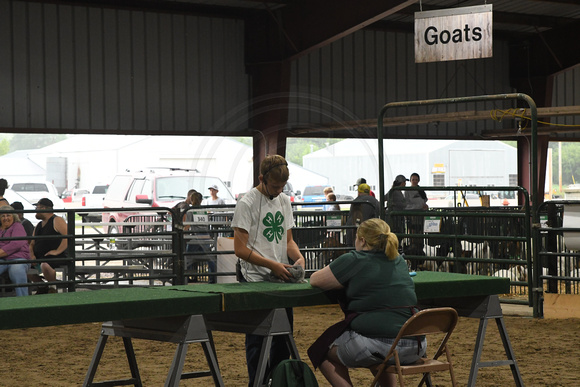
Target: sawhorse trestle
(182, 330)
(484, 308)
(267, 323)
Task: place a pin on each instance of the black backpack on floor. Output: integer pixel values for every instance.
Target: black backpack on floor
(292, 373)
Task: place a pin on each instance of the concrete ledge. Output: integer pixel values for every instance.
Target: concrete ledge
(517, 310)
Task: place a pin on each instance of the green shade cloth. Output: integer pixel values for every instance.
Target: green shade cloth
(138, 303)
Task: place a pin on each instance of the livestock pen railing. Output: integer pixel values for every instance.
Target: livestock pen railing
(472, 230)
(557, 247)
(154, 246)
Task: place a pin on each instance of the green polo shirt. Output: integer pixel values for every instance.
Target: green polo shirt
(380, 289)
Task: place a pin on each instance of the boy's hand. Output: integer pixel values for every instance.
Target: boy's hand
(280, 271)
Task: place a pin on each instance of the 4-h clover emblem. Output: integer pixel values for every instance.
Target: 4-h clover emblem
(274, 229)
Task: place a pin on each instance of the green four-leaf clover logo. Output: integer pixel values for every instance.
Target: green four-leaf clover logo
(274, 229)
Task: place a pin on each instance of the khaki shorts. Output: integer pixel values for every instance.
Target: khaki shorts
(355, 350)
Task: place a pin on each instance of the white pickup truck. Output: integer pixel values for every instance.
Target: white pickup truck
(94, 199)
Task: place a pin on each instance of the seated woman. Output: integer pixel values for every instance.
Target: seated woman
(379, 296)
(14, 250)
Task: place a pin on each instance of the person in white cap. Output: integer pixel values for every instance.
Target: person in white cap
(214, 199)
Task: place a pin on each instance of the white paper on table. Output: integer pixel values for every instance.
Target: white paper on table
(572, 220)
(226, 263)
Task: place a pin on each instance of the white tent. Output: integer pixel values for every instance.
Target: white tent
(94, 159)
(17, 167)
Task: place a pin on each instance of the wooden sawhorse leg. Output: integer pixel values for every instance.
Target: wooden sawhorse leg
(135, 377)
(484, 308)
(476, 363)
(183, 330)
(265, 353)
(176, 370)
(267, 323)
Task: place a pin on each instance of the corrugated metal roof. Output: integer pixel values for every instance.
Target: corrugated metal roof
(544, 10)
(517, 16)
(540, 15)
(187, 68)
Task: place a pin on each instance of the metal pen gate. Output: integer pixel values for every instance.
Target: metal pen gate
(463, 100)
(478, 240)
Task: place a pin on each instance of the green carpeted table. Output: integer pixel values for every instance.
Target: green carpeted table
(136, 303)
(223, 307)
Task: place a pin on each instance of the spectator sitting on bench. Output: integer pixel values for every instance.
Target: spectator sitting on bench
(50, 224)
(29, 228)
(3, 186)
(14, 250)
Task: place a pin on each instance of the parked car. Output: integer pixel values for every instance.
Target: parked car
(289, 190)
(313, 194)
(158, 187)
(33, 192)
(74, 195)
(94, 199)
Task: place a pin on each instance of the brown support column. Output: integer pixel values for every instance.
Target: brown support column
(269, 114)
(524, 167)
(543, 142)
(541, 93)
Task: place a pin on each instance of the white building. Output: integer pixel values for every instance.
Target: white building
(16, 167)
(439, 163)
(85, 160)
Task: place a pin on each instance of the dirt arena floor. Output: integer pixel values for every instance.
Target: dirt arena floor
(548, 353)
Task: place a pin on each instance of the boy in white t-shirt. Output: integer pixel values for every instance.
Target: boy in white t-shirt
(213, 200)
(262, 224)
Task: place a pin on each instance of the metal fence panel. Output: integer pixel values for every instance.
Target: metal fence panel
(156, 247)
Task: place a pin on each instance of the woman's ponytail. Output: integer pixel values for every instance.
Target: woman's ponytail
(392, 249)
(378, 236)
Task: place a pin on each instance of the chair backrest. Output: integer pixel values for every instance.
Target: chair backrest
(430, 321)
(424, 322)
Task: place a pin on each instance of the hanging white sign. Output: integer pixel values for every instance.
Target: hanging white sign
(454, 34)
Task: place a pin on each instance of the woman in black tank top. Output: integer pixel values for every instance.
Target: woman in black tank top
(3, 186)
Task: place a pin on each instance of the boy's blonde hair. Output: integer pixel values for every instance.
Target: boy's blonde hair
(274, 167)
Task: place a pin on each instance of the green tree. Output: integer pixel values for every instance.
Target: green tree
(570, 163)
(34, 141)
(4, 146)
(296, 148)
(244, 140)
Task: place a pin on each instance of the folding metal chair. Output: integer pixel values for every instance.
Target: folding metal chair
(425, 322)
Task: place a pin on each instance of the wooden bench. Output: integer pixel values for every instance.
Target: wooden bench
(119, 273)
